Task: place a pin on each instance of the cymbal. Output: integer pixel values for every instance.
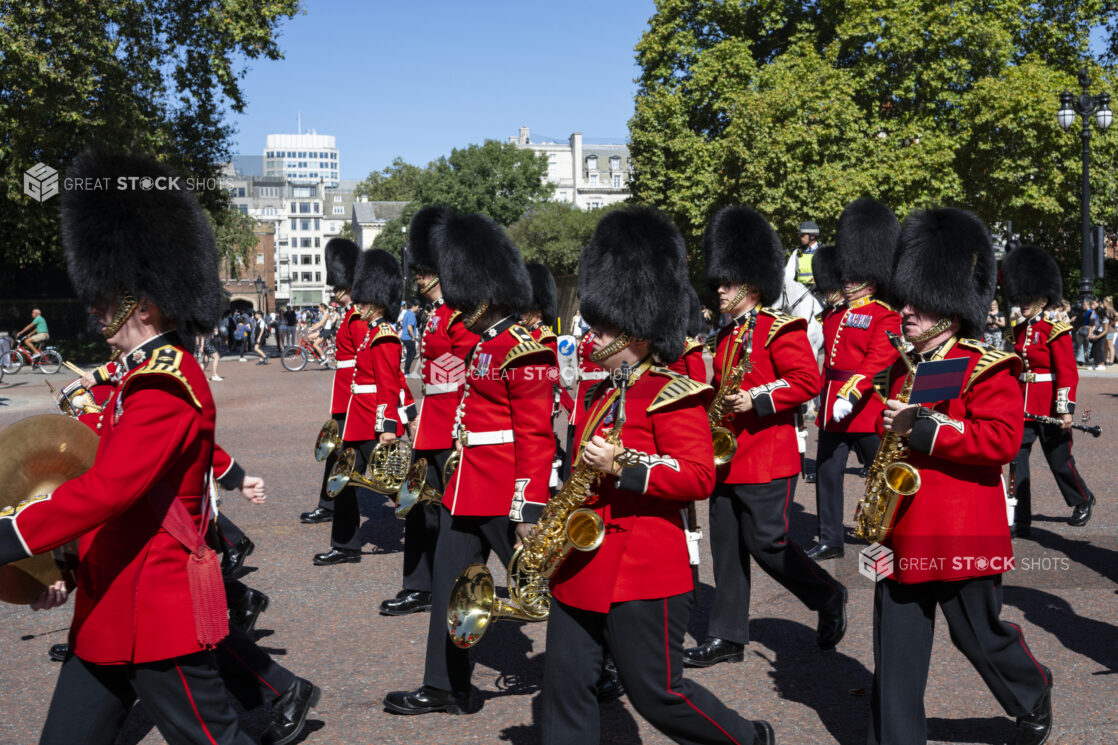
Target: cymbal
(38, 454)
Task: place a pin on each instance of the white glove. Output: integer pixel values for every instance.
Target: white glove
(841, 409)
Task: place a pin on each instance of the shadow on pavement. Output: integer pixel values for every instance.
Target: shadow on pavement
(1095, 640)
(617, 724)
(1097, 558)
(382, 532)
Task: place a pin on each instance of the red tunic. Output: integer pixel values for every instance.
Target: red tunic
(691, 362)
(644, 553)
(784, 375)
(589, 373)
(443, 348)
(133, 603)
(1049, 378)
(856, 349)
(506, 407)
(374, 412)
(955, 526)
(350, 332)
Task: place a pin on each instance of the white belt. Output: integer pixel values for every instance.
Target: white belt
(435, 388)
(1036, 377)
(346, 363)
(473, 439)
(362, 388)
(596, 375)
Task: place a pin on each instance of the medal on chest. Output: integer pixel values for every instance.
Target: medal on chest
(859, 320)
(433, 324)
(483, 361)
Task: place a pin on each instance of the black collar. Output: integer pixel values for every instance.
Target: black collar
(745, 317)
(499, 327)
(142, 353)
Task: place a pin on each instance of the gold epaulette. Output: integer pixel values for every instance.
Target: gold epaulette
(546, 334)
(780, 320)
(454, 314)
(884, 304)
(990, 358)
(166, 360)
(385, 330)
(691, 343)
(676, 389)
(525, 345)
(1059, 329)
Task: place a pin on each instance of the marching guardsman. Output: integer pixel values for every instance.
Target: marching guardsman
(503, 433)
(372, 418)
(1049, 379)
(443, 348)
(828, 279)
(949, 540)
(691, 362)
(341, 261)
(146, 628)
(634, 592)
(856, 348)
(749, 507)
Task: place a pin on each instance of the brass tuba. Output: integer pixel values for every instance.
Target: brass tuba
(415, 488)
(36, 455)
(890, 476)
(328, 440)
(565, 525)
(388, 468)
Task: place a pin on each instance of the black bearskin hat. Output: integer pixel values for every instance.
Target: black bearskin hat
(866, 238)
(341, 262)
(740, 247)
(696, 324)
(478, 264)
(1029, 273)
(379, 280)
(633, 276)
(945, 264)
(421, 254)
(825, 270)
(545, 295)
(154, 243)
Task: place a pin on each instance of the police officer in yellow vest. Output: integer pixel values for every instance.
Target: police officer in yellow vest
(809, 242)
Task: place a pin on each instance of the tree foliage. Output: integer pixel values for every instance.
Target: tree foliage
(395, 183)
(496, 179)
(119, 75)
(234, 232)
(554, 234)
(800, 107)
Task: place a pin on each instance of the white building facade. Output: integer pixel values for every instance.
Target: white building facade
(584, 175)
(302, 158)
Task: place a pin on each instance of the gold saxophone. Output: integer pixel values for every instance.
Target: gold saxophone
(890, 477)
(564, 525)
(725, 444)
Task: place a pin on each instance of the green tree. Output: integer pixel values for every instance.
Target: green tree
(235, 232)
(555, 233)
(798, 108)
(396, 183)
(119, 75)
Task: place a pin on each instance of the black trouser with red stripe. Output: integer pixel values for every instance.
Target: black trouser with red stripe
(752, 520)
(903, 630)
(230, 534)
(184, 696)
(830, 467)
(421, 526)
(345, 530)
(324, 500)
(250, 673)
(646, 639)
(1056, 444)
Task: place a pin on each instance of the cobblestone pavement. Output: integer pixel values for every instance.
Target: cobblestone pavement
(323, 624)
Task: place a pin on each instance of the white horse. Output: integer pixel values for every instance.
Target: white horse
(797, 300)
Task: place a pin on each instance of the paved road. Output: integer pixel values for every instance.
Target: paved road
(323, 622)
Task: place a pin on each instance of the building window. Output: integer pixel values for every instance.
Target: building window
(294, 224)
(337, 198)
(243, 208)
(594, 205)
(317, 257)
(316, 239)
(591, 162)
(316, 208)
(594, 179)
(306, 276)
(302, 192)
(304, 224)
(305, 208)
(305, 242)
(259, 258)
(339, 210)
(304, 258)
(318, 276)
(317, 222)
(615, 163)
(617, 181)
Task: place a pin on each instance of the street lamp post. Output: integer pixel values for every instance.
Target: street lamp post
(1085, 105)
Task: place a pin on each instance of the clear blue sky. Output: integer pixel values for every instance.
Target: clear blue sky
(420, 77)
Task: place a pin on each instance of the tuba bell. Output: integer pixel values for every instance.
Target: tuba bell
(388, 468)
(328, 441)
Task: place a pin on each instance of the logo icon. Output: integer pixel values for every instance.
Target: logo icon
(448, 370)
(875, 562)
(40, 182)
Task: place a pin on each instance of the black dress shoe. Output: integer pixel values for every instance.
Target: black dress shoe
(609, 686)
(1033, 729)
(712, 651)
(405, 602)
(244, 617)
(824, 551)
(832, 622)
(1016, 530)
(426, 700)
(763, 733)
(289, 712)
(234, 557)
(1081, 515)
(317, 515)
(59, 652)
(809, 478)
(337, 556)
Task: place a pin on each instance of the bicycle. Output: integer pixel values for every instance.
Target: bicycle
(48, 361)
(295, 357)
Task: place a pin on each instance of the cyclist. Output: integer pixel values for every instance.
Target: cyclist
(315, 333)
(41, 334)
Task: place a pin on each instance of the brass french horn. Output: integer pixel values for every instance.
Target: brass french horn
(328, 440)
(415, 488)
(38, 454)
(388, 468)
